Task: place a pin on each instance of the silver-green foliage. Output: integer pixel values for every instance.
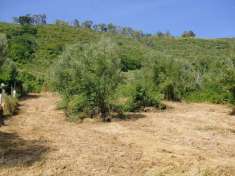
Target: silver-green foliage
(87, 76)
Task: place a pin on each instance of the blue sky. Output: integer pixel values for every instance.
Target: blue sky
(207, 18)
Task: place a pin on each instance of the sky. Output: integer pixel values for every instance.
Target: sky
(207, 18)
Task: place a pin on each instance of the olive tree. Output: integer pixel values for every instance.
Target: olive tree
(87, 76)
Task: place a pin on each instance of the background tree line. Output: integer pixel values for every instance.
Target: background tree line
(41, 19)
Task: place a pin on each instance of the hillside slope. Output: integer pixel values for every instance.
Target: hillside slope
(52, 39)
(181, 68)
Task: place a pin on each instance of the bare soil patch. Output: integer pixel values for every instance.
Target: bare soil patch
(188, 140)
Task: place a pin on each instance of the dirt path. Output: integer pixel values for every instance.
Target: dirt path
(190, 140)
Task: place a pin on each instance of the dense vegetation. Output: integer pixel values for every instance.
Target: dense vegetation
(8, 74)
(8, 70)
(104, 68)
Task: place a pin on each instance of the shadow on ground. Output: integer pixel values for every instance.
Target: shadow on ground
(30, 96)
(15, 151)
(128, 117)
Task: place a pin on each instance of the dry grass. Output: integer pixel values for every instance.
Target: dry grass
(187, 140)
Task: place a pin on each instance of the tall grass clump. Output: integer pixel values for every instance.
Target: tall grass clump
(10, 105)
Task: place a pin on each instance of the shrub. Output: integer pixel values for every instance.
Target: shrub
(170, 91)
(29, 82)
(142, 90)
(228, 80)
(131, 55)
(91, 71)
(143, 97)
(165, 75)
(8, 71)
(210, 93)
(76, 104)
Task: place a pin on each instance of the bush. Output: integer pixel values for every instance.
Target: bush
(228, 80)
(170, 91)
(76, 104)
(91, 71)
(8, 71)
(10, 105)
(213, 94)
(131, 56)
(29, 83)
(143, 97)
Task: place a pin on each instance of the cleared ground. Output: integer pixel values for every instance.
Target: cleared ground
(187, 139)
